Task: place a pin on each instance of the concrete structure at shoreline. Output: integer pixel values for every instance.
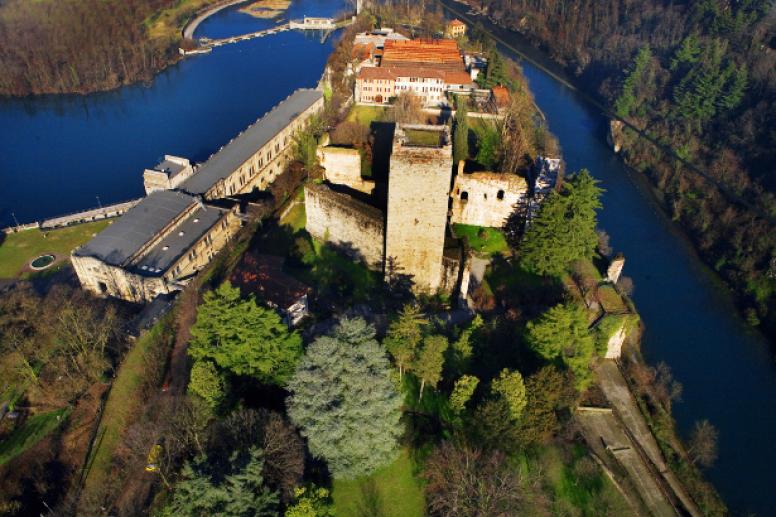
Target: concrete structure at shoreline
(162, 242)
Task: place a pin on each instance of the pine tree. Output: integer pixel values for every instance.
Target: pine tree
(404, 336)
(430, 361)
(564, 229)
(460, 353)
(462, 391)
(207, 383)
(344, 402)
(625, 103)
(562, 334)
(509, 386)
(461, 136)
(239, 492)
(244, 338)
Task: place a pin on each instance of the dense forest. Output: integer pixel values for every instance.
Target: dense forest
(699, 78)
(78, 46)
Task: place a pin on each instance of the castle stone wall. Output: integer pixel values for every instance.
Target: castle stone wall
(355, 227)
(486, 198)
(343, 167)
(418, 190)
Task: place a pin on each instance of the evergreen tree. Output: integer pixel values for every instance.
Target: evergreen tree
(562, 334)
(244, 338)
(207, 383)
(625, 103)
(461, 136)
(564, 229)
(404, 336)
(344, 402)
(509, 386)
(240, 492)
(460, 353)
(488, 142)
(430, 361)
(462, 391)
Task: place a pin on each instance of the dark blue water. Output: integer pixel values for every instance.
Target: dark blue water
(727, 370)
(58, 153)
(691, 323)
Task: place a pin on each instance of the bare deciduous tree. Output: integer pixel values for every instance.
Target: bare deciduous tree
(703, 444)
(467, 481)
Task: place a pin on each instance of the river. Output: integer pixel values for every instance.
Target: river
(691, 323)
(58, 153)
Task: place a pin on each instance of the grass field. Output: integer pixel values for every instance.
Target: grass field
(34, 430)
(120, 409)
(391, 491)
(18, 249)
(482, 240)
(365, 115)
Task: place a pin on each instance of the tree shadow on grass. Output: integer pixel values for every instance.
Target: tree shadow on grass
(370, 504)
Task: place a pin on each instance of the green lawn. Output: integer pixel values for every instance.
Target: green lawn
(391, 491)
(18, 249)
(125, 397)
(296, 218)
(34, 430)
(482, 240)
(365, 115)
(423, 137)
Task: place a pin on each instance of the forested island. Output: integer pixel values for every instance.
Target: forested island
(700, 79)
(82, 46)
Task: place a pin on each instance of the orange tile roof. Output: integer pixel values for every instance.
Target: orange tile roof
(458, 78)
(456, 23)
(373, 72)
(437, 53)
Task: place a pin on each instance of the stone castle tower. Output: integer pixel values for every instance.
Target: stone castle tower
(418, 194)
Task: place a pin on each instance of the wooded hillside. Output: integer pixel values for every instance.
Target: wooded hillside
(78, 46)
(699, 77)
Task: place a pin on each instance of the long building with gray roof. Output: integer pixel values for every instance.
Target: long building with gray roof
(162, 242)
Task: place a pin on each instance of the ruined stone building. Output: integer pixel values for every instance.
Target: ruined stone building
(405, 231)
(188, 216)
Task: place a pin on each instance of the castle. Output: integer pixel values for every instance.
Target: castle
(402, 228)
(190, 213)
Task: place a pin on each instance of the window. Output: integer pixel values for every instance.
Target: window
(102, 287)
(500, 195)
(464, 196)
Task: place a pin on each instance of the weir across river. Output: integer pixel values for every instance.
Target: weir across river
(204, 45)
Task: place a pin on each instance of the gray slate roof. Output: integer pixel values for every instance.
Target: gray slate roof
(170, 168)
(122, 239)
(179, 241)
(241, 148)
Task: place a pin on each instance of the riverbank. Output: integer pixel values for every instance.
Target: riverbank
(647, 153)
(691, 322)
